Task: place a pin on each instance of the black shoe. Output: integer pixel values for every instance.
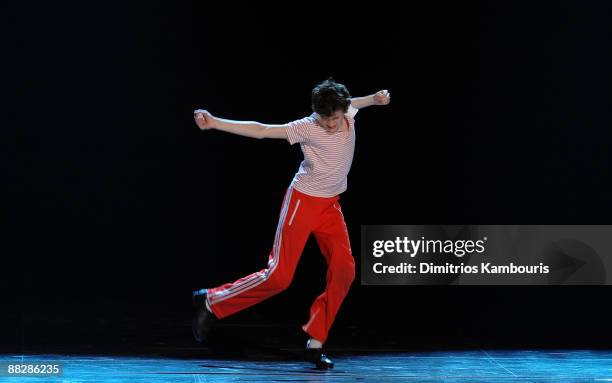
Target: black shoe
(316, 356)
(203, 318)
(198, 298)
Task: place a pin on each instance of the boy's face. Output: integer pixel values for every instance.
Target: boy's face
(332, 123)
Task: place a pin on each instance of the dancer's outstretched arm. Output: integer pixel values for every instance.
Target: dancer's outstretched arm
(253, 129)
(382, 97)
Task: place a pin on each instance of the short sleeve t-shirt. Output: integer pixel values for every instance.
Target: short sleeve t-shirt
(327, 156)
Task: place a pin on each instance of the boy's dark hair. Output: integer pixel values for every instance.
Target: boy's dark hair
(329, 96)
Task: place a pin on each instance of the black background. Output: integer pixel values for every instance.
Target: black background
(116, 205)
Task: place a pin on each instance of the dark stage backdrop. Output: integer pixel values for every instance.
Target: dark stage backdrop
(114, 198)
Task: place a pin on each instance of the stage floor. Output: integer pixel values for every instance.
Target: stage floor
(449, 366)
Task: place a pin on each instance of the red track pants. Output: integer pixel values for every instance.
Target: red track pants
(301, 215)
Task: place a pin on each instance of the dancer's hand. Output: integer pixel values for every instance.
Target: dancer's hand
(382, 97)
(203, 119)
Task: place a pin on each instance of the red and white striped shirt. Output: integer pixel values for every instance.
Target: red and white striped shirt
(327, 156)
